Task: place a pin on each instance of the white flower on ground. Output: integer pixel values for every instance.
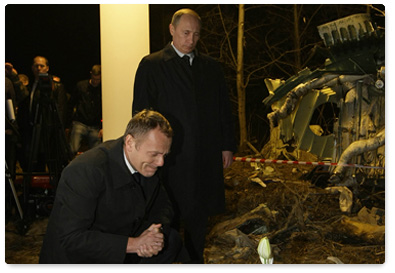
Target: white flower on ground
(265, 251)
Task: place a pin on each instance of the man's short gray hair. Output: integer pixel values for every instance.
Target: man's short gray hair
(177, 16)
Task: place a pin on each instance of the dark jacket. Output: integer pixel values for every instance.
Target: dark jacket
(195, 101)
(51, 93)
(21, 91)
(98, 206)
(51, 98)
(87, 101)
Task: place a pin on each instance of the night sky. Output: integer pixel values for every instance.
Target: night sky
(68, 35)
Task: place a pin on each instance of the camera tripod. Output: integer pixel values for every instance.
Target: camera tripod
(8, 176)
(49, 151)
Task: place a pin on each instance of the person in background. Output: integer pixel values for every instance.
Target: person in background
(85, 109)
(20, 89)
(40, 66)
(110, 205)
(24, 79)
(46, 106)
(11, 129)
(15, 92)
(189, 89)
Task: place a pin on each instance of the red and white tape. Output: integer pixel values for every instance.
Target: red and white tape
(296, 162)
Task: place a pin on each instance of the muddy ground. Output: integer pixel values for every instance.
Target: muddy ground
(307, 225)
(305, 229)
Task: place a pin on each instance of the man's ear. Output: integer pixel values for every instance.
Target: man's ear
(129, 142)
(171, 29)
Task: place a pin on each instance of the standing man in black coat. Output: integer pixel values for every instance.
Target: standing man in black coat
(189, 89)
(103, 213)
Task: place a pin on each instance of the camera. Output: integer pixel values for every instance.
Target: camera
(45, 85)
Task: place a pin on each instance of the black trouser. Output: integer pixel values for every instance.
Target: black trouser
(194, 228)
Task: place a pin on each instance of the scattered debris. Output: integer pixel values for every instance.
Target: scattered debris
(304, 223)
(345, 199)
(258, 181)
(335, 260)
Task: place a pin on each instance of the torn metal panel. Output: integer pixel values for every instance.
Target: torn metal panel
(355, 44)
(352, 84)
(295, 95)
(308, 140)
(350, 28)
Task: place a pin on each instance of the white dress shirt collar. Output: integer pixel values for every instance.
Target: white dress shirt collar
(132, 171)
(179, 53)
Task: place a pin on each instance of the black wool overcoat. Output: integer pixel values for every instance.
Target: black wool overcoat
(196, 103)
(98, 206)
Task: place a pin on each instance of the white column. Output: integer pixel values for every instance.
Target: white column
(124, 31)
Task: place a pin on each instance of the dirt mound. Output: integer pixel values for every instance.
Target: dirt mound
(307, 225)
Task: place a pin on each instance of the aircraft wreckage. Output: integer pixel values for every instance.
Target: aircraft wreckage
(337, 113)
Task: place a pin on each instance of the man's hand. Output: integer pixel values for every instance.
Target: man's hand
(10, 70)
(149, 243)
(227, 158)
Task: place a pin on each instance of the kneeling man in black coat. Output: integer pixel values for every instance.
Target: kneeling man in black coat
(110, 205)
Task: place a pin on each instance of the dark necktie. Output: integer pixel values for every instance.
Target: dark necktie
(186, 59)
(137, 177)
